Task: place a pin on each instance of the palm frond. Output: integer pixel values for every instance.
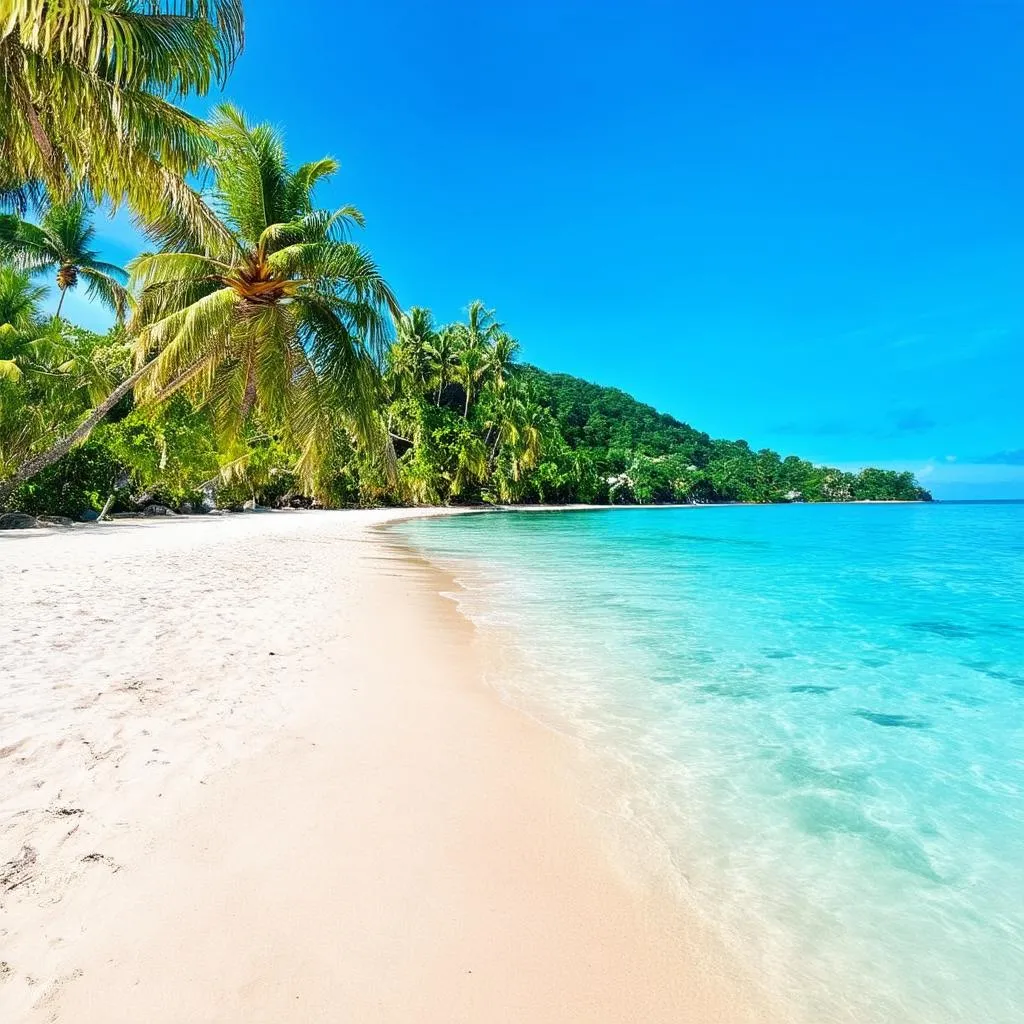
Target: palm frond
(105, 287)
(23, 245)
(305, 178)
(88, 91)
(180, 47)
(183, 338)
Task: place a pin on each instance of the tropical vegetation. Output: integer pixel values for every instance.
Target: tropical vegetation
(62, 243)
(258, 353)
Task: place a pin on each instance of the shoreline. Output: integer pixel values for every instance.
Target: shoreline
(240, 835)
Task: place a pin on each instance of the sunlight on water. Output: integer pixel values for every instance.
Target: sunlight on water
(822, 708)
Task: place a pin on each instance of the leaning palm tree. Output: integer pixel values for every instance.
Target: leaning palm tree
(281, 317)
(62, 242)
(89, 91)
(288, 321)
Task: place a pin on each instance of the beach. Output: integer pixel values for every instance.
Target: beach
(250, 770)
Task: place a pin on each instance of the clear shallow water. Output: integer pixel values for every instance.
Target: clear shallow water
(820, 710)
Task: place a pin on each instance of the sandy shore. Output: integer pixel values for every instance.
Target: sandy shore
(249, 772)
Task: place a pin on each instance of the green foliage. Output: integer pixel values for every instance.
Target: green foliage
(447, 459)
(51, 373)
(82, 480)
(647, 457)
(887, 485)
(259, 338)
(259, 467)
(467, 425)
(168, 456)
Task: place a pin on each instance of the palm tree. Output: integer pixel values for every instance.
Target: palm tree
(88, 92)
(519, 422)
(470, 463)
(288, 321)
(410, 356)
(20, 324)
(503, 356)
(62, 242)
(476, 337)
(280, 318)
(48, 373)
(443, 352)
(19, 303)
(22, 421)
(534, 420)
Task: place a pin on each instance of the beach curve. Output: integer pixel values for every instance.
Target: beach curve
(284, 793)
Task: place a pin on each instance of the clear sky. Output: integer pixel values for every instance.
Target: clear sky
(799, 223)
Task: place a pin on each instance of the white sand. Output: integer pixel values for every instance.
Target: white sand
(249, 772)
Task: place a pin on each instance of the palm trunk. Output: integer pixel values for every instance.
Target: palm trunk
(60, 304)
(42, 140)
(57, 451)
(35, 126)
(179, 382)
(249, 397)
(465, 412)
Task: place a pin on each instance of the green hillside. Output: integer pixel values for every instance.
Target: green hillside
(645, 456)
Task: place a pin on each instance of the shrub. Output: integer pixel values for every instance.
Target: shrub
(82, 480)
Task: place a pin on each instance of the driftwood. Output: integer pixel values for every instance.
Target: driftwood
(106, 508)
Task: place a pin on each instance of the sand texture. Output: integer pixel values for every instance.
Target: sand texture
(250, 771)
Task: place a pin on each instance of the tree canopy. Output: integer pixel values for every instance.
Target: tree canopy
(461, 421)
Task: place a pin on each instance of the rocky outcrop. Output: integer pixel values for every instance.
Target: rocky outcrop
(18, 521)
(56, 521)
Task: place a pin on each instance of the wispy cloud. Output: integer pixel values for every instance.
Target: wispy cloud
(1012, 457)
(939, 338)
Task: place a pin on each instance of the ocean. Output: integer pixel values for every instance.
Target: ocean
(814, 714)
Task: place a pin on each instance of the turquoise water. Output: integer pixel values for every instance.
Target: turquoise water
(818, 712)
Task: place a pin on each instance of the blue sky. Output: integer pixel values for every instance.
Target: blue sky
(797, 223)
